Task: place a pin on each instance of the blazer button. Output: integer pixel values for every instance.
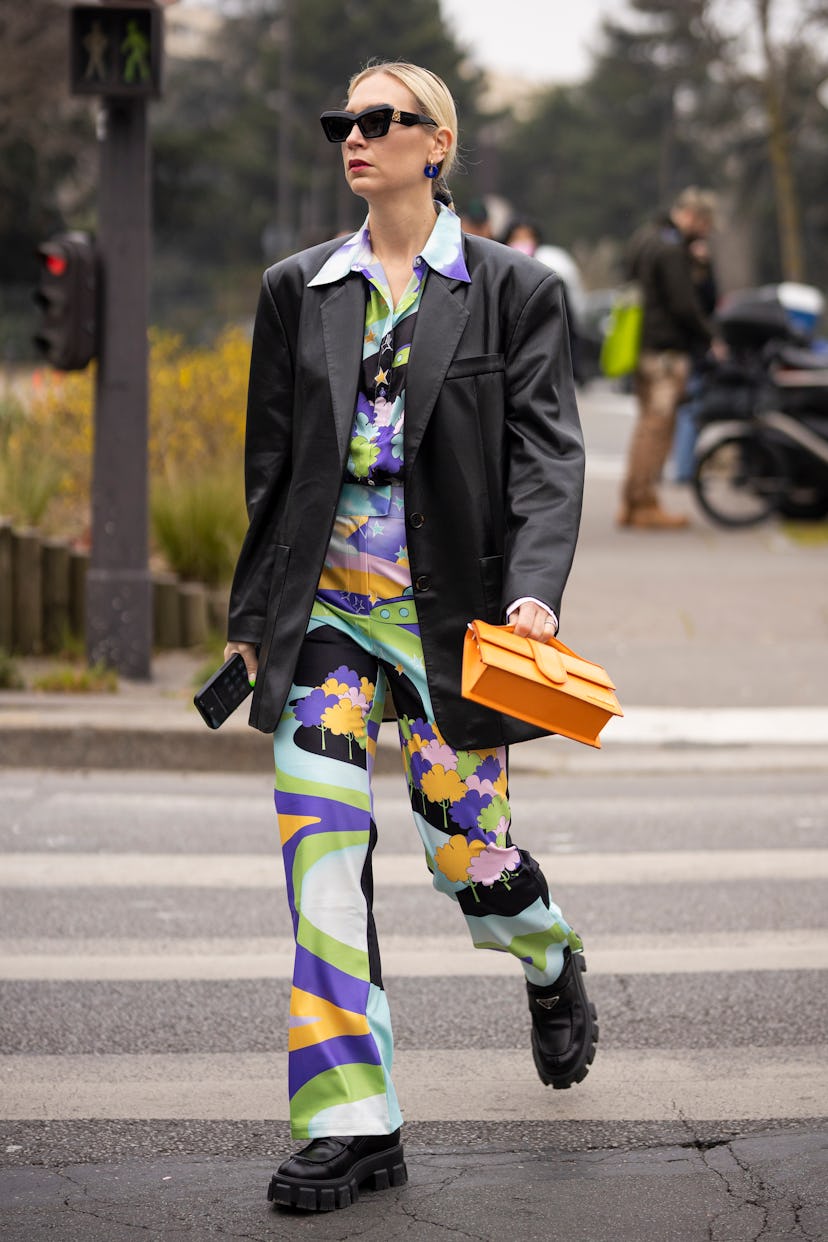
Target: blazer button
(417, 520)
(422, 583)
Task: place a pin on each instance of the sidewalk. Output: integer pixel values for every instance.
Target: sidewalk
(147, 728)
(717, 641)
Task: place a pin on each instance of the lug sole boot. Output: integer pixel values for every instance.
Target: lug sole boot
(564, 1026)
(329, 1172)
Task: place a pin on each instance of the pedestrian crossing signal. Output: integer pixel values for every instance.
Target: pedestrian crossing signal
(115, 50)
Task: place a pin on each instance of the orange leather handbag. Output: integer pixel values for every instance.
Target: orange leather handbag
(543, 683)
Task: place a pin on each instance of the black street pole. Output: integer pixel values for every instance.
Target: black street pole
(119, 588)
(284, 189)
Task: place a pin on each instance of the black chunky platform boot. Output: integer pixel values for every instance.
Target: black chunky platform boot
(564, 1026)
(329, 1172)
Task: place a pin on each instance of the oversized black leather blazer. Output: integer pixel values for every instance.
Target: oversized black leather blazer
(493, 463)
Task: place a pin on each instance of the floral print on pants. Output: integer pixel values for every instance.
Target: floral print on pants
(363, 638)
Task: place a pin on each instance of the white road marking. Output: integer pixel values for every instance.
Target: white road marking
(168, 802)
(706, 727)
(721, 726)
(149, 961)
(470, 1083)
(257, 871)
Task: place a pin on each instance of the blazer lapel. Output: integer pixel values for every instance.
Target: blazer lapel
(441, 319)
(343, 327)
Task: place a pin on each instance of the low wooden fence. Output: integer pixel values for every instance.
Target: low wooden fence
(43, 594)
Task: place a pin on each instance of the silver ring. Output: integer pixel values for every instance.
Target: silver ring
(550, 622)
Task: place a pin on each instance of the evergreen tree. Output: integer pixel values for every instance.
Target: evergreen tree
(598, 158)
(243, 173)
(672, 99)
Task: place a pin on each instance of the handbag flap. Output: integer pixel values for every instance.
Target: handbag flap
(554, 660)
(550, 662)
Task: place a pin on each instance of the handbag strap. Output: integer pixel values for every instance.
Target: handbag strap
(549, 662)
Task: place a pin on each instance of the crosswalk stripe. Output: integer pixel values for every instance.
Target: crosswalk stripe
(252, 871)
(719, 726)
(476, 1083)
(142, 960)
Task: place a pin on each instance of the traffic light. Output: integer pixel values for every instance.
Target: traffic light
(116, 50)
(67, 298)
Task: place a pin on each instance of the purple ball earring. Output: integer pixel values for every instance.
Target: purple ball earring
(431, 171)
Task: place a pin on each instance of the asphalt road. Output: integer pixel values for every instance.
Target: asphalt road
(145, 948)
(144, 955)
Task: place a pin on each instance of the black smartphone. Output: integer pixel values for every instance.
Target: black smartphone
(223, 692)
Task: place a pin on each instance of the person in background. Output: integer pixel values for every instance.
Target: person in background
(413, 461)
(675, 331)
(525, 236)
(684, 439)
(475, 219)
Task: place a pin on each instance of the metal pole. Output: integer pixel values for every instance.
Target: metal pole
(119, 589)
(284, 186)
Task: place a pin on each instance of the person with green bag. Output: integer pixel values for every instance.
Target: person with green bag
(622, 343)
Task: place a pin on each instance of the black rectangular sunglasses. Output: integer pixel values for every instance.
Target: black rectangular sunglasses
(372, 122)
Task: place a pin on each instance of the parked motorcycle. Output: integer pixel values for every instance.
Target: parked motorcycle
(763, 443)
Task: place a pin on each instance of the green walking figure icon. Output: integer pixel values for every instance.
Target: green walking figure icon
(136, 48)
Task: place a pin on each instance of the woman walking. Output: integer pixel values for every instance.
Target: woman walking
(413, 461)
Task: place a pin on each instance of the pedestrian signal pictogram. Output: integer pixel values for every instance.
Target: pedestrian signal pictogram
(115, 50)
(66, 297)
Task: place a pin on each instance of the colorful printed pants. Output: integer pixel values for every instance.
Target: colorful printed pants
(362, 637)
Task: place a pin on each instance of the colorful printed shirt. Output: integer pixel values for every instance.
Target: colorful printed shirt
(376, 449)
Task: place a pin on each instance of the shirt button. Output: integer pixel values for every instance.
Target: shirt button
(422, 583)
(417, 520)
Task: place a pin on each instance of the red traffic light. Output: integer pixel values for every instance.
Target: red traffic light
(67, 334)
(56, 264)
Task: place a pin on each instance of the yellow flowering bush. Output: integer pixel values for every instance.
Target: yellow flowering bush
(197, 405)
(196, 440)
(46, 453)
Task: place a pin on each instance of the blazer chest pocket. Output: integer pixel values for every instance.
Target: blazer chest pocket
(481, 364)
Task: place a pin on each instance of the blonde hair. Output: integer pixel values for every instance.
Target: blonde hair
(433, 98)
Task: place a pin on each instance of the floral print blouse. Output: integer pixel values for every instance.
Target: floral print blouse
(375, 454)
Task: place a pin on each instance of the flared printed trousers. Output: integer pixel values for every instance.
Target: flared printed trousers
(362, 638)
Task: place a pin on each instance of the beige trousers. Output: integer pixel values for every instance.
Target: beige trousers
(660, 381)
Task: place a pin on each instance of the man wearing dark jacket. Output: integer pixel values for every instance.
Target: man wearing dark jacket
(675, 330)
